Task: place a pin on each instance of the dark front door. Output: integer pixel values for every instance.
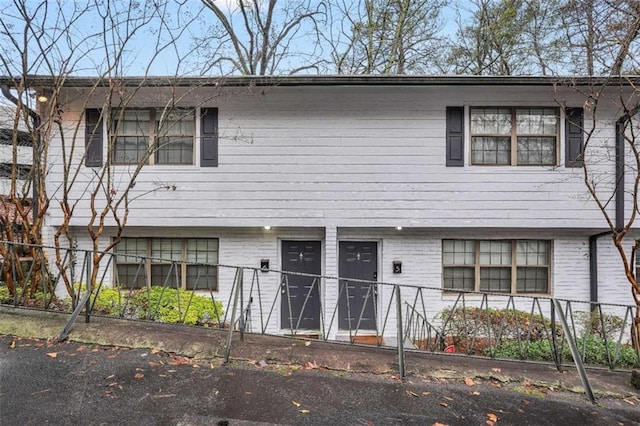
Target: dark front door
(357, 304)
(300, 295)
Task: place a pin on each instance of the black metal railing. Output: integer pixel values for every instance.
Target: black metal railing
(405, 317)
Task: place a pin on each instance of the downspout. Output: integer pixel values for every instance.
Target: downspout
(36, 146)
(619, 221)
(620, 125)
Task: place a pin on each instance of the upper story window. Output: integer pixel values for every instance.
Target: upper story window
(153, 136)
(502, 266)
(519, 136)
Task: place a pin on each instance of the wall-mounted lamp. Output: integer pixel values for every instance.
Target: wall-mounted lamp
(267, 227)
(398, 228)
(42, 98)
(264, 265)
(397, 266)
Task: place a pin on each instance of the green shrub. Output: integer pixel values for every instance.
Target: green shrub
(497, 324)
(158, 303)
(592, 348)
(172, 306)
(5, 297)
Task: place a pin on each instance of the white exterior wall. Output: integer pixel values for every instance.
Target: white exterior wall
(352, 163)
(421, 255)
(350, 156)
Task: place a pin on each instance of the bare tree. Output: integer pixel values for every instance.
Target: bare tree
(255, 37)
(613, 179)
(507, 37)
(385, 36)
(44, 39)
(595, 30)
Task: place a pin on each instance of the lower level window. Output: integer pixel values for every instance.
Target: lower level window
(502, 266)
(188, 263)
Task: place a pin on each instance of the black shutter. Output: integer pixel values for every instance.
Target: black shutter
(209, 137)
(455, 136)
(574, 137)
(93, 139)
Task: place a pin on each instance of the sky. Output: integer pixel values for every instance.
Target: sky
(183, 21)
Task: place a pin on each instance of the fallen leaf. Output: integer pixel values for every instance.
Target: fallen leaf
(628, 401)
(469, 381)
(297, 404)
(195, 366)
(154, 364)
(425, 393)
(180, 360)
(448, 398)
(475, 393)
(307, 343)
(12, 344)
(110, 377)
(492, 417)
(112, 384)
(82, 349)
(154, 351)
(112, 356)
(439, 424)
(304, 411)
(138, 376)
(52, 354)
(310, 365)
(444, 404)
(411, 393)
(496, 370)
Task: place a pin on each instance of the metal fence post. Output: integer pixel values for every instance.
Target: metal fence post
(400, 333)
(237, 282)
(88, 260)
(575, 353)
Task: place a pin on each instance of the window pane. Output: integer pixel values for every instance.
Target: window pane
(202, 250)
(490, 121)
(167, 275)
(130, 149)
(532, 252)
(166, 250)
(174, 150)
(176, 131)
(131, 275)
(460, 278)
(202, 277)
(130, 250)
(536, 121)
(532, 280)
(534, 150)
(130, 262)
(495, 279)
(490, 150)
(131, 122)
(458, 252)
(495, 252)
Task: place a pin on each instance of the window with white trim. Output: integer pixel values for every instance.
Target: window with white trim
(188, 263)
(502, 266)
(153, 136)
(522, 136)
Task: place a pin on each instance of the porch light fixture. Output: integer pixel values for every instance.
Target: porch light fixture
(398, 228)
(42, 98)
(267, 227)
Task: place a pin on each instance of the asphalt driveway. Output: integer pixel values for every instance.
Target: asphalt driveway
(73, 383)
